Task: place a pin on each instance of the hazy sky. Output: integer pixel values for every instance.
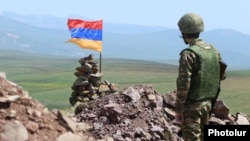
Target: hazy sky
(227, 14)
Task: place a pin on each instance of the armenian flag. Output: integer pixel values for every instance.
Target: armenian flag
(86, 34)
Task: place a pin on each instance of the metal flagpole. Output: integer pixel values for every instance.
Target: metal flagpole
(100, 62)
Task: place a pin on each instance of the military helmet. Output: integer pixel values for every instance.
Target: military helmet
(191, 23)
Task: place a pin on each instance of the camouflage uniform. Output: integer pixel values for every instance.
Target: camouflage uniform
(198, 79)
(195, 109)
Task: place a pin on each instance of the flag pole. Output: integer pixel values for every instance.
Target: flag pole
(100, 62)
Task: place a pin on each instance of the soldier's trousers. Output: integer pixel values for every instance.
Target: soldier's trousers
(196, 116)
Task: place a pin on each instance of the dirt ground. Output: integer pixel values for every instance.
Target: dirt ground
(18, 107)
(136, 113)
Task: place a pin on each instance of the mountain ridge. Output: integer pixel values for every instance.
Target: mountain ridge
(119, 40)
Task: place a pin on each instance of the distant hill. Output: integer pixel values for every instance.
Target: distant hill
(47, 35)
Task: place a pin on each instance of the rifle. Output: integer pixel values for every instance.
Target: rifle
(223, 67)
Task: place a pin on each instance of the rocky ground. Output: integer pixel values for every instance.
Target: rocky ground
(135, 113)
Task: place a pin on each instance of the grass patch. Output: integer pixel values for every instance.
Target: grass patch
(49, 79)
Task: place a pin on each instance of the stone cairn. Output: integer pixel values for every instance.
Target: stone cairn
(88, 84)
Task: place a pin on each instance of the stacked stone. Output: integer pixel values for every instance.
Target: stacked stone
(88, 85)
